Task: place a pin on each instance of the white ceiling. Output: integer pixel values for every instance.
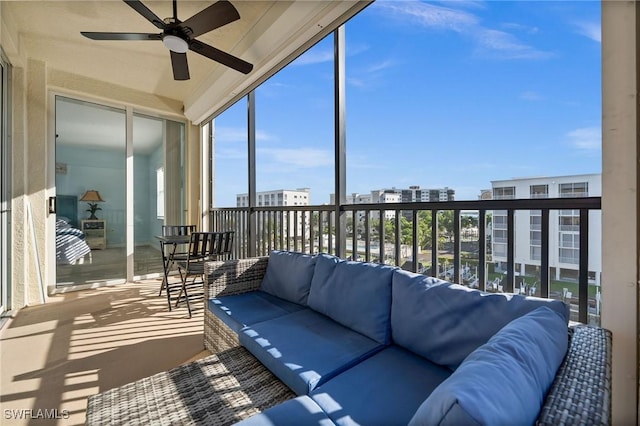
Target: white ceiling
(268, 34)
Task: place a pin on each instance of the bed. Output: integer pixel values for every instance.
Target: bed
(70, 243)
(71, 247)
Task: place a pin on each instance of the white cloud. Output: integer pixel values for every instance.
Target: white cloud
(531, 96)
(592, 30)
(231, 154)
(298, 158)
(356, 82)
(230, 134)
(314, 56)
(507, 46)
(273, 89)
(471, 4)
(380, 66)
(262, 136)
(354, 49)
(519, 27)
(432, 16)
(371, 75)
(586, 139)
(495, 43)
(239, 134)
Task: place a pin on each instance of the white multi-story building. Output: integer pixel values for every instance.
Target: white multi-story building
(385, 196)
(283, 197)
(280, 197)
(375, 196)
(393, 195)
(564, 226)
(417, 194)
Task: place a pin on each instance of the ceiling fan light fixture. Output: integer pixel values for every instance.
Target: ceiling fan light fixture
(175, 44)
(180, 36)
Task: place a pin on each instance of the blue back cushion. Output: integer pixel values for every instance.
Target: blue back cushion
(504, 382)
(445, 322)
(288, 276)
(355, 294)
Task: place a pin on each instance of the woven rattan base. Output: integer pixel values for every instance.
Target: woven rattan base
(221, 389)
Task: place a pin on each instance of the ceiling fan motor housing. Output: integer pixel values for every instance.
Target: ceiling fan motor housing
(179, 36)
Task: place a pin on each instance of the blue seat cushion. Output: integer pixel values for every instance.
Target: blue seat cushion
(305, 348)
(288, 275)
(355, 294)
(239, 310)
(445, 322)
(504, 381)
(385, 389)
(294, 412)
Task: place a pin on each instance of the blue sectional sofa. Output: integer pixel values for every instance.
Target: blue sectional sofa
(370, 344)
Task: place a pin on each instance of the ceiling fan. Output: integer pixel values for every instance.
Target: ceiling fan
(179, 36)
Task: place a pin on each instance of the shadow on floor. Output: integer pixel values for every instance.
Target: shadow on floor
(55, 355)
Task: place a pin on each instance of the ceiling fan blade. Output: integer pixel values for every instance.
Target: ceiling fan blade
(215, 16)
(120, 36)
(146, 12)
(180, 66)
(220, 56)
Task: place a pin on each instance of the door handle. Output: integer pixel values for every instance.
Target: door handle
(52, 205)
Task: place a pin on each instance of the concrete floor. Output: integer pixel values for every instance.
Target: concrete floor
(54, 356)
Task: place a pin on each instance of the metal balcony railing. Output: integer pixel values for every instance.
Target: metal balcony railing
(417, 230)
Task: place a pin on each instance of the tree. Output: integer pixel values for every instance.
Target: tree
(468, 222)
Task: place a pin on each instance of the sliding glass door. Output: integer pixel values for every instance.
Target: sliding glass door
(113, 191)
(158, 146)
(90, 193)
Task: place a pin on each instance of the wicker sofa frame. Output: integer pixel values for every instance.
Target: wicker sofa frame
(580, 393)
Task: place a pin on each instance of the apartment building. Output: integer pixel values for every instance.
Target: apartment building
(564, 226)
(417, 194)
(296, 223)
(386, 196)
(413, 194)
(279, 197)
(375, 196)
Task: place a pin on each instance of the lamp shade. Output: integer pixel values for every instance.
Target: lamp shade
(93, 196)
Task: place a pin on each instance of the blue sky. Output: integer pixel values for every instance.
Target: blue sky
(453, 93)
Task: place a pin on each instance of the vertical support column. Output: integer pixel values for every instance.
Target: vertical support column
(620, 203)
(482, 250)
(18, 281)
(36, 154)
(511, 247)
(583, 276)
(544, 255)
(207, 165)
(457, 275)
(434, 242)
(129, 179)
(397, 240)
(381, 223)
(340, 141)
(191, 170)
(251, 147)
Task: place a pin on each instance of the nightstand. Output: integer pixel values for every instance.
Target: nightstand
(95, 233)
